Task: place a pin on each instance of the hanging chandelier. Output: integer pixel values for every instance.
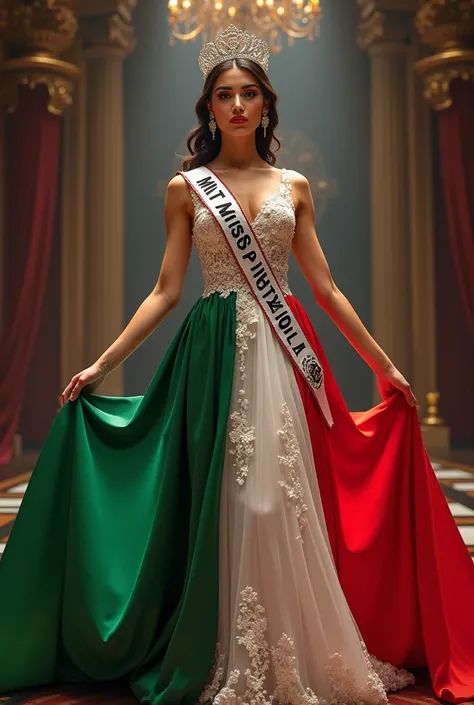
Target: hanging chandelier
(270, 19)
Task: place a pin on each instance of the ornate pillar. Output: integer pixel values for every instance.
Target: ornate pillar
(73, 216)
(108, 38)
(422, 265)
(386, 36)
(36, 87)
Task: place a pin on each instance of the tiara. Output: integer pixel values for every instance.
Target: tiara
(233, 43)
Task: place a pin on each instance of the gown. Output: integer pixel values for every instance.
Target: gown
(213, 541)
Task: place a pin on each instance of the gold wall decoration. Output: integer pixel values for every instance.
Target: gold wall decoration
(433, 418)
(437, 83)
(36, 33)
(40, 25)
(447, 27)
(24, 72)
(444, 24)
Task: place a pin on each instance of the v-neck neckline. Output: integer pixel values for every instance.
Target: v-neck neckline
(251, 221)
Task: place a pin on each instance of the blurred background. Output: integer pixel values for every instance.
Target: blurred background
(376, 104)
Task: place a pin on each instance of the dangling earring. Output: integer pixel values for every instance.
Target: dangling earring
(212, 125)
(265, 121)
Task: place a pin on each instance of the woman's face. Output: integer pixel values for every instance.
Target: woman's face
(237, 102)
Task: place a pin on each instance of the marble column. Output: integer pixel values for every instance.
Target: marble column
(73, 213)
(385, 36)
(420, 181)
(390, 215)
(108, 40)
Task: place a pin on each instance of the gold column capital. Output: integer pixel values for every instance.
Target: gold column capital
(386, 25)
(37, 32)
(106, 27)
(447, 27)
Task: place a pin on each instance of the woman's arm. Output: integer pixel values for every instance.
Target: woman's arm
(312, 262)
(164, 297)
(167, 291)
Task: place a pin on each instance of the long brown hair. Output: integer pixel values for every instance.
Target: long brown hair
(203, 149)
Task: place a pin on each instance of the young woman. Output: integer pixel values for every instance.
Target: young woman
(236, 535)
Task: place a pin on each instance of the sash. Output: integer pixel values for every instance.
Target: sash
(246, 249)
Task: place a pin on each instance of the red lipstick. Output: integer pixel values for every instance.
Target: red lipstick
(239, 119)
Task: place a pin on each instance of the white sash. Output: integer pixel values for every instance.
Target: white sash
(253, 263)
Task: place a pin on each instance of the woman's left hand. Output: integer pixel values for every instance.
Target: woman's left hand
(392, 381)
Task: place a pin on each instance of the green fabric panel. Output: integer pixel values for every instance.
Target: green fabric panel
(111, 569)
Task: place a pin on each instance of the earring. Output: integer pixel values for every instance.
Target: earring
(265, 121)
(212, 125)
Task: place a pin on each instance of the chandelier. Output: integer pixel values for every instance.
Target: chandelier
(270, 19)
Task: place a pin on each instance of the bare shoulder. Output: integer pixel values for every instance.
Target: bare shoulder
(300, 188)
(177, 187)
(297, 179)
(177, 193)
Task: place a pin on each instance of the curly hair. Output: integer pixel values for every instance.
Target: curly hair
(203, 149)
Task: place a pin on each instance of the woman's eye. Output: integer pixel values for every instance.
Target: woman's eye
(250, 94)
(223, 95)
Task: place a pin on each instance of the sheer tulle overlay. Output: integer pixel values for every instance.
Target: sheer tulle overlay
(285, 629)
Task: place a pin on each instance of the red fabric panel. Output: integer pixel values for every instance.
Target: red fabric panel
(402, 563)
(32, 168)
(456, 139)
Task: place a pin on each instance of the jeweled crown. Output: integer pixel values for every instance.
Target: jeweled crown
(233, 43)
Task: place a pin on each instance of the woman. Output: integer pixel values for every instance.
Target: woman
(237, 502)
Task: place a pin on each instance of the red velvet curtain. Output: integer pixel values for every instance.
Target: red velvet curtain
(32, 162)
(43, 381)
(454, 342)
(456, 139)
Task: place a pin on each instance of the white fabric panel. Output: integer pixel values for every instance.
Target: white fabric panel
(283, 619)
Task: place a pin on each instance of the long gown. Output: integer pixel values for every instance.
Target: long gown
(214, 542)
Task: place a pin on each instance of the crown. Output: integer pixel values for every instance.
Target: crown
(233, 43)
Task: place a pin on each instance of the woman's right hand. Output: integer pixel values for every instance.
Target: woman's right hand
(92, 377)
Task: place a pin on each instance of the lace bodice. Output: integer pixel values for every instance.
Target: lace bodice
(274, 227)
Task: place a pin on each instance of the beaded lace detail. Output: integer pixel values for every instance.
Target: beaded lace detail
(281, 659)
(274, 227)
(291, 461)
(241, 435)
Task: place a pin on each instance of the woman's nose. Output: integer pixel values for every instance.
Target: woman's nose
(237, 107)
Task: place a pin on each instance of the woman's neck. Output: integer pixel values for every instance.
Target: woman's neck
(239, 154)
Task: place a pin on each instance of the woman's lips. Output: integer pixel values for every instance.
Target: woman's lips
(239, 120)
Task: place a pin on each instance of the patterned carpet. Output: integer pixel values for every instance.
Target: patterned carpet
(456, 480)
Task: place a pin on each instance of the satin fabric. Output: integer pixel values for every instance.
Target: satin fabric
(401, 560)
(111, 569)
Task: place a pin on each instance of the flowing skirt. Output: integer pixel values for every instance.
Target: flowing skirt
(214, 541)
